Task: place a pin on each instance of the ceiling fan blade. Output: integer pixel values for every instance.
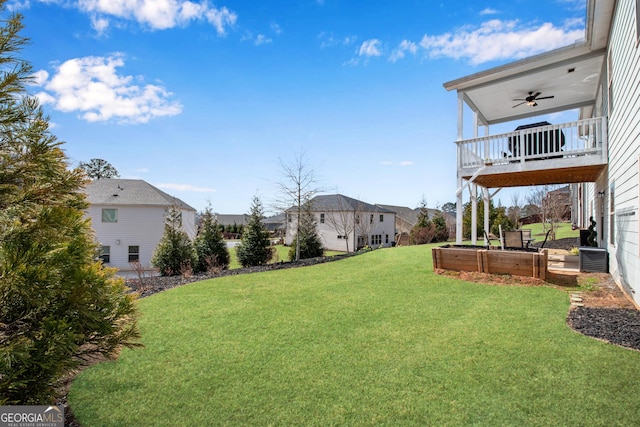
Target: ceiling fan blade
(523, 102)
(545, 97)
(536, 95)
(518, 99)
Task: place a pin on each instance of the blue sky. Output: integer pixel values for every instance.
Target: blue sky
(203, 99)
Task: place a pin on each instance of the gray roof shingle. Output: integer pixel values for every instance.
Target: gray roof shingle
(338, 202)
(129, 192)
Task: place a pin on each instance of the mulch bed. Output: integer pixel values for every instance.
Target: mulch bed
(619, 326)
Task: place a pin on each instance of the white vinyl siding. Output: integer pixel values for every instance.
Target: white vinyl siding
(624, 149)
(141, 226)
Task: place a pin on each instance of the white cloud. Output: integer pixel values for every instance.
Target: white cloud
(100, 25)
(329, 40)
(499, 40)
(370, 47)
(157, 14)
(185, 187)
(400, 51)
(262, 39)
(402, 163)
(488, 11)
(275, 28)
(92, 87)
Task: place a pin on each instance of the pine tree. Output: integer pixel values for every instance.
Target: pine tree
(255, 247)
(210, 247)
(174, 254)
(424, 230)
(58, 304)
(441, 229)
(310, 243)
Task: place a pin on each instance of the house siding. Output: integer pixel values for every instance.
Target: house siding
(624, 150)
(141, 226)
(329, 236)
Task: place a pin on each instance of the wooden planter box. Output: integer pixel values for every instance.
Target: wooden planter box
(593, 260)
(518, 263)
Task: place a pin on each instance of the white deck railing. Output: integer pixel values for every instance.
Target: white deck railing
(567, 140)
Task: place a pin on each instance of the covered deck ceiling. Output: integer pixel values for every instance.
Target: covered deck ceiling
(570, 74)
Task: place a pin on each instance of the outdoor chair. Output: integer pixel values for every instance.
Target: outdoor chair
(526, 237)
(513, 239)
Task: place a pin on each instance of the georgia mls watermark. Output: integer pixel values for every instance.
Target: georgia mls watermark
(32, 416)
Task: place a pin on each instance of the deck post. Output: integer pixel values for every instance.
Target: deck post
(473, 190)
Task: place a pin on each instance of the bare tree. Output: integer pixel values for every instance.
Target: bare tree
(363, 224)
(298, 186)
(556, 207)
(342, 218)
(552, 206)
(515, 210)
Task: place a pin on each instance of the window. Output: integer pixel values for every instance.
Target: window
(357, 219)
(340, 237)
(386, 238)
(376, 239)
(321, 218)
(105, 254)
(371, 219)
(109, 215)
(134, 253)
(381, 218)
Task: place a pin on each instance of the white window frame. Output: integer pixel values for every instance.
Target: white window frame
(109, 215)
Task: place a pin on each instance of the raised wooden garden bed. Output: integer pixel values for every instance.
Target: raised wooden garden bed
(479, 258)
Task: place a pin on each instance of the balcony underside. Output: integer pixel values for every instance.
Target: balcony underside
(516, 176)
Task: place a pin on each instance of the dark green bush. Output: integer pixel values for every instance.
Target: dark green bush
(58, 304)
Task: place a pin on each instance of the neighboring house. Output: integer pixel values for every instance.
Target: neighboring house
(228, 220)
(346, 224)
(406, 218)
(598, 153)
(128, 216)
(558, 203)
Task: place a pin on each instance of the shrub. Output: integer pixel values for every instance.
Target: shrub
(210, 247)
(310, 243)
(174, 254)
(255, 247)
(58, 304)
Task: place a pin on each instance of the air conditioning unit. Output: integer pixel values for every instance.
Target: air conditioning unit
(594, 260)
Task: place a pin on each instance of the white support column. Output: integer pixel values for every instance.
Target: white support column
(487, 200)
(459, 213)
(473, 190)
(460, 136)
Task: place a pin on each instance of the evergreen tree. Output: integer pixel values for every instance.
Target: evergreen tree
(58, 303)
(99, 169)
(501, 219)
(497, 216)
(440, 226)
(424, 230)
(255, 247)
(174, 254)
(310, 243)
(210, 246)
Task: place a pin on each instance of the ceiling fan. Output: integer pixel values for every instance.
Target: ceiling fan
(531, 99)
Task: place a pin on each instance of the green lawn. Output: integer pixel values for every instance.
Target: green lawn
(282, 254)
(376, 339)
(563, 230)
